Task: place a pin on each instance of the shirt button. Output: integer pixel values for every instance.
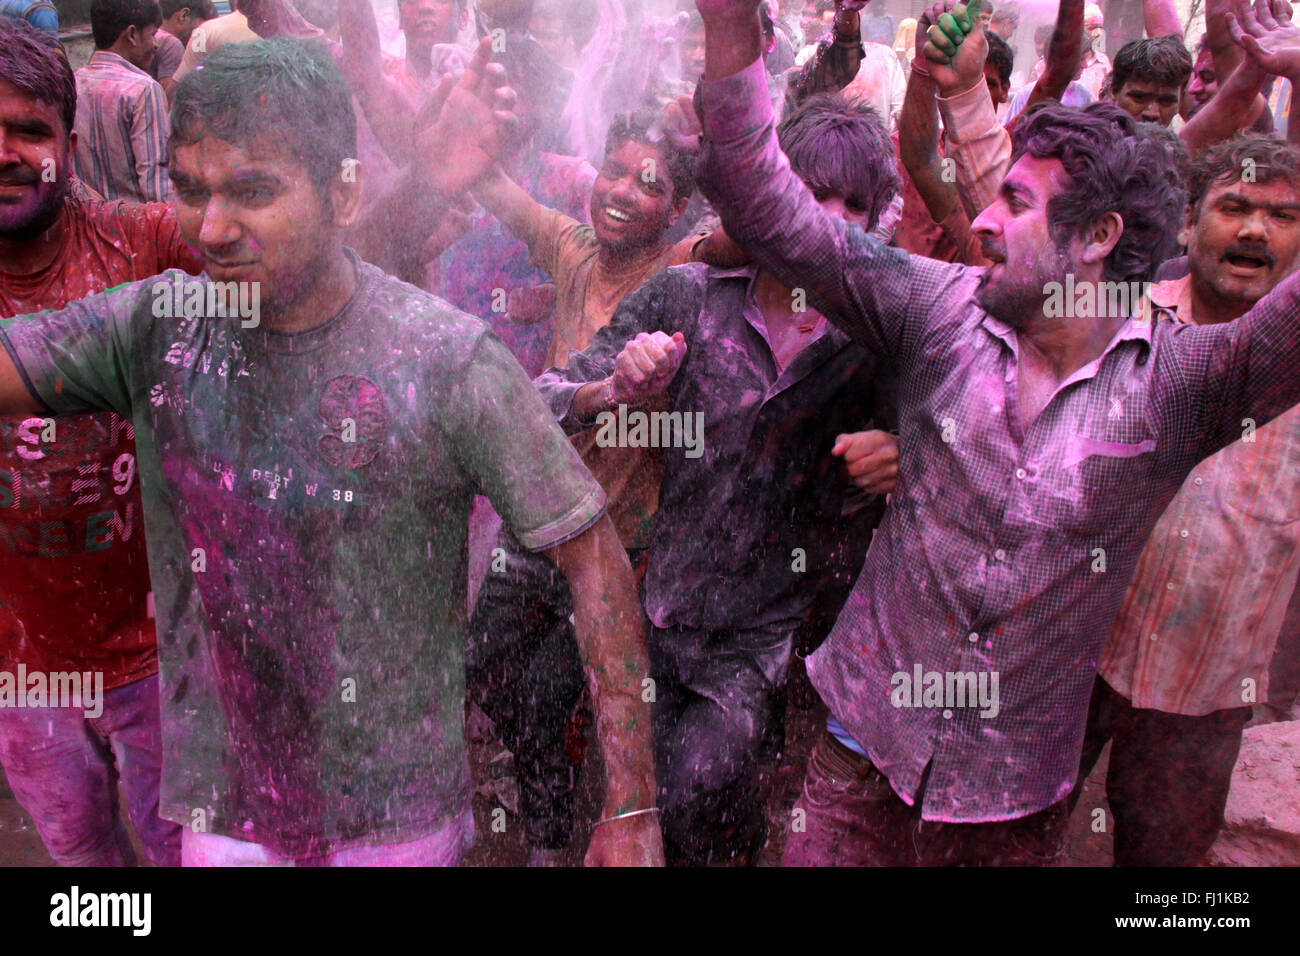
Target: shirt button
(972, 637)
(1199, 481)
(1170, 585)
(1183, 533)
(1000, 554)
(1153, 637)
(947, 715)
(1021, 473)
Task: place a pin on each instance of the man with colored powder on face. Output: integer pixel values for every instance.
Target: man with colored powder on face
(1021, 418)
(524, 669)
(301, 463)
(1189, 653)
(756, 518)
(75, 594)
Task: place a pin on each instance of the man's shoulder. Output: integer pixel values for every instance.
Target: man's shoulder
(430, 325)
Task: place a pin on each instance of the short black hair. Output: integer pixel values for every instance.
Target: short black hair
(110, 18)
(1267, 157)
(646, 126)
(287, 88)
(1001, 56)
(1114, 164)
(35, 63)
(842, 147)
(200, 9)
(1163, 61)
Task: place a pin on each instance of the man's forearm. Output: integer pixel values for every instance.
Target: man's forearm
(611, 637)
(1235, 106)
(733, 39)
(918, 147)
(1160, 18)
(1063, 53)
(506, 200)
(1225, 54)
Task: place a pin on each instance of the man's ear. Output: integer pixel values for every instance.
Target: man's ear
(679, 207)
(1105, 234)
(345, 194)
(1189, 220)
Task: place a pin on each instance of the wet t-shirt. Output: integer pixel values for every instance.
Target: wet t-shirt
(74, 576)
(306, 497)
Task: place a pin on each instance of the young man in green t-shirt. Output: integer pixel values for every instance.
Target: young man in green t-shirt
(311, 433)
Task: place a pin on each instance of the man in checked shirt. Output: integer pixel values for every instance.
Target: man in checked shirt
(1031, 445)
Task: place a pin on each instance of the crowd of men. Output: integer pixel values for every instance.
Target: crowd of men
(590, 361)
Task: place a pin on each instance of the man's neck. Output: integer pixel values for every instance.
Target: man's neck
(619, 259)
(419, 58)
(1211, 309)
(328, 293)
(119, 49)
(29, 256)
(1060, 347)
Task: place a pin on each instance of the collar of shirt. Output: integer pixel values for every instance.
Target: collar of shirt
(1173, 299)
(112, 60)
(1137, 328)
(829, 331)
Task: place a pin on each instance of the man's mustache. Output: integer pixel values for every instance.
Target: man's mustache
(18, 176)
(1250, 252)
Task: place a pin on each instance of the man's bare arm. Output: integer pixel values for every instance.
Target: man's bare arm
(918, 146)
(611, 636)
(504, 198)
(1062, 56)
(15, 399)
(1160, 18)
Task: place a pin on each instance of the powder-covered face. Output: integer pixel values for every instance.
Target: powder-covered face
(1014, 234)
(1246, 239)
(632, 200)
(254, 215)
(35, 162)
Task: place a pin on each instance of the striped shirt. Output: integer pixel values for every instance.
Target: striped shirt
(1198, 627)
(1005, 552)
(122, 130)
(39, 13)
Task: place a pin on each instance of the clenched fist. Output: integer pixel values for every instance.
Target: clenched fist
(646, 366)
(871, 458)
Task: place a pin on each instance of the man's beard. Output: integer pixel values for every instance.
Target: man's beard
(42, 217)
(1018, 302)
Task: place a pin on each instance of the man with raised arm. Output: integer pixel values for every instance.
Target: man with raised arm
(1039, 442)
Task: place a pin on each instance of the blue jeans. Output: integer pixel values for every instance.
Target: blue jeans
(63, 768)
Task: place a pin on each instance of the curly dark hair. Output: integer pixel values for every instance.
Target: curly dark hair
(1267, 157)
(645, 125)
(842, 147)
(1001, 56)
(34, 62)
(1114, 164)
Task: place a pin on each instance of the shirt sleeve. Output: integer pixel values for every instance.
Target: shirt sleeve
(871, 291)
(170, 53)
(505, 437)
(77, 359)
(149, 131)
(1241, 374)
(44, 17)
(978, 144)
(661, 303)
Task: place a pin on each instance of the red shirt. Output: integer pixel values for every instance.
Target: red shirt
(74, 582)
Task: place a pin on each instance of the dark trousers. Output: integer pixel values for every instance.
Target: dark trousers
(523, 669)
(715, 701)
(1168, 778)
(848, 815)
